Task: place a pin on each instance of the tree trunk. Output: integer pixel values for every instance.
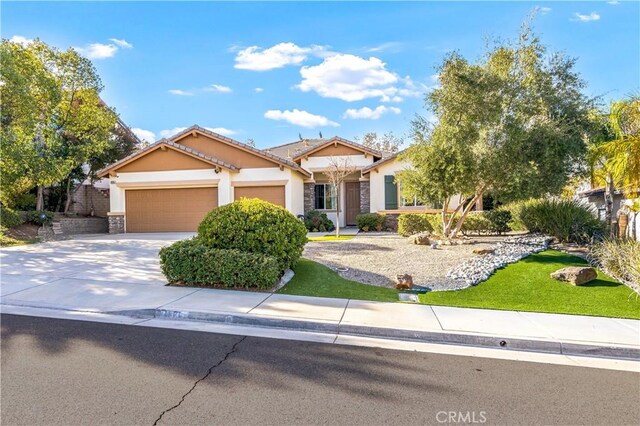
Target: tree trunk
(40, 198)
(338, 210)
(445, 223)
(67, 203)
(466, 210)
(608, 204)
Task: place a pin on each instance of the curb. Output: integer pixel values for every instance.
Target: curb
(441, 337)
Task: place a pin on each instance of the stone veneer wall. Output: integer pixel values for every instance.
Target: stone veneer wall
(83, 225)
(116, 224)
(309, 196)
(365, 196)
(86, 196)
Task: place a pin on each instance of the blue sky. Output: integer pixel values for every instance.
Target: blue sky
(269, 71)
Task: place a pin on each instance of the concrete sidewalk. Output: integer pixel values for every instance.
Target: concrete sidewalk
(551, 333)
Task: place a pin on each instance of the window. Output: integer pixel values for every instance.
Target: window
(411, 202)
(325, 196)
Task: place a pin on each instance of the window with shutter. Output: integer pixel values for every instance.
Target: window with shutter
(390, 193)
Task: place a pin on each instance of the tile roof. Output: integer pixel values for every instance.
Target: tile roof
(207, 158)
(300, 148)
(263, 153)
(382, 161)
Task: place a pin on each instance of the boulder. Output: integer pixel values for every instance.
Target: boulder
(483, 251)
(405, 281)
(421, 239)
(576, 275)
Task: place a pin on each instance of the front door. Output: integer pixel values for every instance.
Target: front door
(352, 208)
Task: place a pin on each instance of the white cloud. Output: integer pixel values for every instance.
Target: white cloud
(593, 16)
(300, 118)
(614, 2)
(258, 90)
(255, 58)
(543, 9)
(144, 135)
(21, 40)
(170, 132)
(98, 50)
(218, 88)
(222, 131)
(179, 92)
(122, 43)
(353, 78)
(393, 46)
(370, 114)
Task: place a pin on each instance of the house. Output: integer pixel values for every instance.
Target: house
(170, 185)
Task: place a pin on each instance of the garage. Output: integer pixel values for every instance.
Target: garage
(272, 194)
(168, 210)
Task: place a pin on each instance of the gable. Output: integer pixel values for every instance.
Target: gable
(223, 151)
(159, 160)
(335, 150)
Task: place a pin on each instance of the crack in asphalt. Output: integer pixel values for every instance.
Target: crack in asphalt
(195, 384)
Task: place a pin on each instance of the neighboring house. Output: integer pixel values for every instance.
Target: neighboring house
(627, 225)
(171, 185)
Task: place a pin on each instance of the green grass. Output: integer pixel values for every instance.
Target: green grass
(314, 279)
(526, 286)
(331, 238)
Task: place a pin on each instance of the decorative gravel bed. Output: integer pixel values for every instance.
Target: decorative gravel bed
(478, 269)
(378, 259)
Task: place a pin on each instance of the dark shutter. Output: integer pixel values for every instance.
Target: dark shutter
(390, 193)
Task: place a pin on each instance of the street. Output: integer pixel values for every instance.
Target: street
(75, 372)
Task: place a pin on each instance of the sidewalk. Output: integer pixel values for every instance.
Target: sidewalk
(550, 333)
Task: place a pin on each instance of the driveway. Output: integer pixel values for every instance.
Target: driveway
(92, 272)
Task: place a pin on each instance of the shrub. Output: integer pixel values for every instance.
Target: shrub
(191, 261)
(39, 217)
(25, 201)
(255, 226)
(414, 223)
(498, 220)
(9, 218)
(317, 221)
(475, 223)
(566, 220)
(371, 222)
(620, 258)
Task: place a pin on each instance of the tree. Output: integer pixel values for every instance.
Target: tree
(337, 171)
(388, 142)
(613, 156)
(512, 125)
(52, 117)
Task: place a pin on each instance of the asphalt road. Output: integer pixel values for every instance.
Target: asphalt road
(75, 372)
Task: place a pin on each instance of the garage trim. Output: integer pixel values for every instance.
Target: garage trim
(260, 183)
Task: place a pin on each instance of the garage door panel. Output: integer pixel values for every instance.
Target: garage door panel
(168, 210)
(272, 194)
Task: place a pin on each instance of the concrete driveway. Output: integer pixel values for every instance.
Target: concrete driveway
(94, 272)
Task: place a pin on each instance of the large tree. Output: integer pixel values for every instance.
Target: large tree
(53, 120)
(511, 124)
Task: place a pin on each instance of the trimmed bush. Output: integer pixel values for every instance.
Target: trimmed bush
(255, 226)
(9, 218)
(620, 258)
(475, 223)
(371, 222)
(498, 220)
(192, 262)
(566, 220)
(316, 221)
(414, 223)
(39, 217)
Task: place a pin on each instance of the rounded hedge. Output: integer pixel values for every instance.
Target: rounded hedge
(255, 226)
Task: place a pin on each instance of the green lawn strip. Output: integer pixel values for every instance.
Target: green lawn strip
(526, 286)
(314, 279)
(331, 238)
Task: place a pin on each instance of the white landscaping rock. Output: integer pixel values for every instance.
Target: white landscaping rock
(478, 269)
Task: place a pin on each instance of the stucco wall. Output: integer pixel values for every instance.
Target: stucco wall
(319, 163)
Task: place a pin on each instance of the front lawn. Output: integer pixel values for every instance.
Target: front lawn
(526, 286)
(314, 279)
(522, 286)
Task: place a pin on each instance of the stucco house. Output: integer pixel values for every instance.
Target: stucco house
(170, 185)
